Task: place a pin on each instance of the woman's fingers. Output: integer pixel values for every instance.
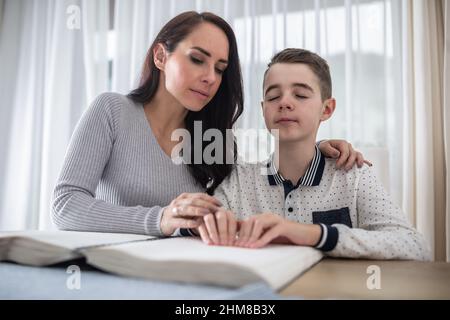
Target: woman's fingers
(345, 153)
(182, 211)
(203, 196)
(328, 150)
(194, 204)
(185, 223)
(186, 207)
(351, 159)
(359, 159)
(368, 163)
(199, 202)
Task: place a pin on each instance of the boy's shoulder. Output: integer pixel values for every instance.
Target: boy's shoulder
(330, 170)
(244, 168)
(248, 171)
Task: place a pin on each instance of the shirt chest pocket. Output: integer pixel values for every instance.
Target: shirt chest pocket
(341, 216)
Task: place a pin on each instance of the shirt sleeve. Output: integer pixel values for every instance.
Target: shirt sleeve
(383, 230)
(74, 204)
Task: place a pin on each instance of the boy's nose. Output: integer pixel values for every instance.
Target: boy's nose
(285, 105)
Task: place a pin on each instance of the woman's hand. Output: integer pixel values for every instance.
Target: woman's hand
(187, 211)
(218, 228)
(261, 229)
(344, 153)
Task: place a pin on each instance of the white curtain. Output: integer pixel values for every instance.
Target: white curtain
(424, 170)
(360, 39)
(446, 120)
(51, 70)
(136, 24)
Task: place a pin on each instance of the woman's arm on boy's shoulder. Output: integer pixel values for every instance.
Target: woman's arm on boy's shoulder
(343, 152)
(383, 230)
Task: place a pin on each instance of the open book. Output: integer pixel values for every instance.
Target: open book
(173, 259)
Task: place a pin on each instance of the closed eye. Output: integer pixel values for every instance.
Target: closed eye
(272, 98)
(196, 61)
(301, 97)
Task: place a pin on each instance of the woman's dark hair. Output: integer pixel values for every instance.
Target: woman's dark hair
(224, 108)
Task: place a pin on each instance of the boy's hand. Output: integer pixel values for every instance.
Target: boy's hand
(218, 228)
(344, 153)
(261, 229)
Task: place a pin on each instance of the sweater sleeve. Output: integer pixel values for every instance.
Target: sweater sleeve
(74, 204)
(383, 231)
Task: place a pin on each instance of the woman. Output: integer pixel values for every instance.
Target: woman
(118, 175)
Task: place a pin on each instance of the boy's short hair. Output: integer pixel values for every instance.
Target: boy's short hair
(318, 65)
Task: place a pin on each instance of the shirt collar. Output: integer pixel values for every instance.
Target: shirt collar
(312, 176)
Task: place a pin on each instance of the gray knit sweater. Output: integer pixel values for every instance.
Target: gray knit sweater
(115, 177)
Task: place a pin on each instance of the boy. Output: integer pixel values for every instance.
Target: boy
(304, 199)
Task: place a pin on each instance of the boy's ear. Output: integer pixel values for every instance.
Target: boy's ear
(327, 109)
(159, 56)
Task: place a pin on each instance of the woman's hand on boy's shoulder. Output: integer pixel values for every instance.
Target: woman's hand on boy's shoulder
(343, 151)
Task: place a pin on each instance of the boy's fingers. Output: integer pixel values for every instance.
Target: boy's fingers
(222, 227)
(232, 227)
(210, 222)
(256, 232)
(242, 225)
(267, 237)
(204, 234)
(245, 231)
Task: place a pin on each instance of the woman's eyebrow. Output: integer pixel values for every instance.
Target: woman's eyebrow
(206, 53)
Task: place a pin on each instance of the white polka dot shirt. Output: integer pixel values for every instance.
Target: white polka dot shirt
(357, 216)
